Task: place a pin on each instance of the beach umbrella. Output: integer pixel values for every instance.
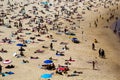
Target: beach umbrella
(48, 61)
(46, 76)
(20, 44)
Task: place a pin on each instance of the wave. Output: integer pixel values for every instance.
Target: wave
(116, 27)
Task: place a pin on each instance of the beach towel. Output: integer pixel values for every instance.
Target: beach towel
(10, 72)
(4, 74)
(7, 73)
(59, 54)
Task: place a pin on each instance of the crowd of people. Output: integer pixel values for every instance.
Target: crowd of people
(52, 16)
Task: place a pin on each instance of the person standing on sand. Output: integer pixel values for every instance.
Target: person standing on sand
(93, 46)
(51, 46)
(0, 68)
(20, 24)
(100, 52)
(93, 63)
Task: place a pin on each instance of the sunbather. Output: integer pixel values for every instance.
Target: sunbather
(71, 75)
(34, 57)
(25, 61)
(9, 66)
(3, 51)
(59, 54)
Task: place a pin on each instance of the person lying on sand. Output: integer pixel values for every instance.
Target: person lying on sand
(59, 53)
(25, 61)
(34, 57)
(71, 75)
(39, 51)
(3, 51)
(52, 59)
(79, 72)
(9, 66)
(65, 48)
(67, 63)
(48, 67)
(70, 59)
(44, 47)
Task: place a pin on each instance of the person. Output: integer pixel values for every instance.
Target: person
(1, 58)
(0, 68)
(51, 58)
(67, 63)
(51, 36)
(100, 52)
(20, 24)
(70, 59)
(93, 63)
(95, 40)
(25, 61)
(93, 46)
(57, 52)
(9, 66)
(66, 48)
(21, 53)
(51, 46)
(53, 66)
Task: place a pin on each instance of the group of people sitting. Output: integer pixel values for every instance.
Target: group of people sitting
(3, 51)
(25, 61)
(9, 66)
(62, 69)
(49, 66)
(6, 40)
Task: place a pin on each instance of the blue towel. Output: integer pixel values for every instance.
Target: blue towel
(4, 74)
(10, 72)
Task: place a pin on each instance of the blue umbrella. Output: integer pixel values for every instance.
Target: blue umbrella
(20, 44)
(48, 61)
(46, 76)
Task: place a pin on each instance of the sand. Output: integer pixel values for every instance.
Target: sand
(82, 53)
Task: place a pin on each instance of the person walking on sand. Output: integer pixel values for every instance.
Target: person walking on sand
(100, 52)
(51, 46)
(93, 46)
(93, 64)
(20, 24)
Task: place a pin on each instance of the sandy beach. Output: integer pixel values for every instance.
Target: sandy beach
(47, 28)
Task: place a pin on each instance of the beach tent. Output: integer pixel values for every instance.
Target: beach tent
(46, 76)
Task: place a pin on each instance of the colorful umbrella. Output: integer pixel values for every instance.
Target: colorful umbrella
(48, 61)
(46, 76)
(20, 44)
